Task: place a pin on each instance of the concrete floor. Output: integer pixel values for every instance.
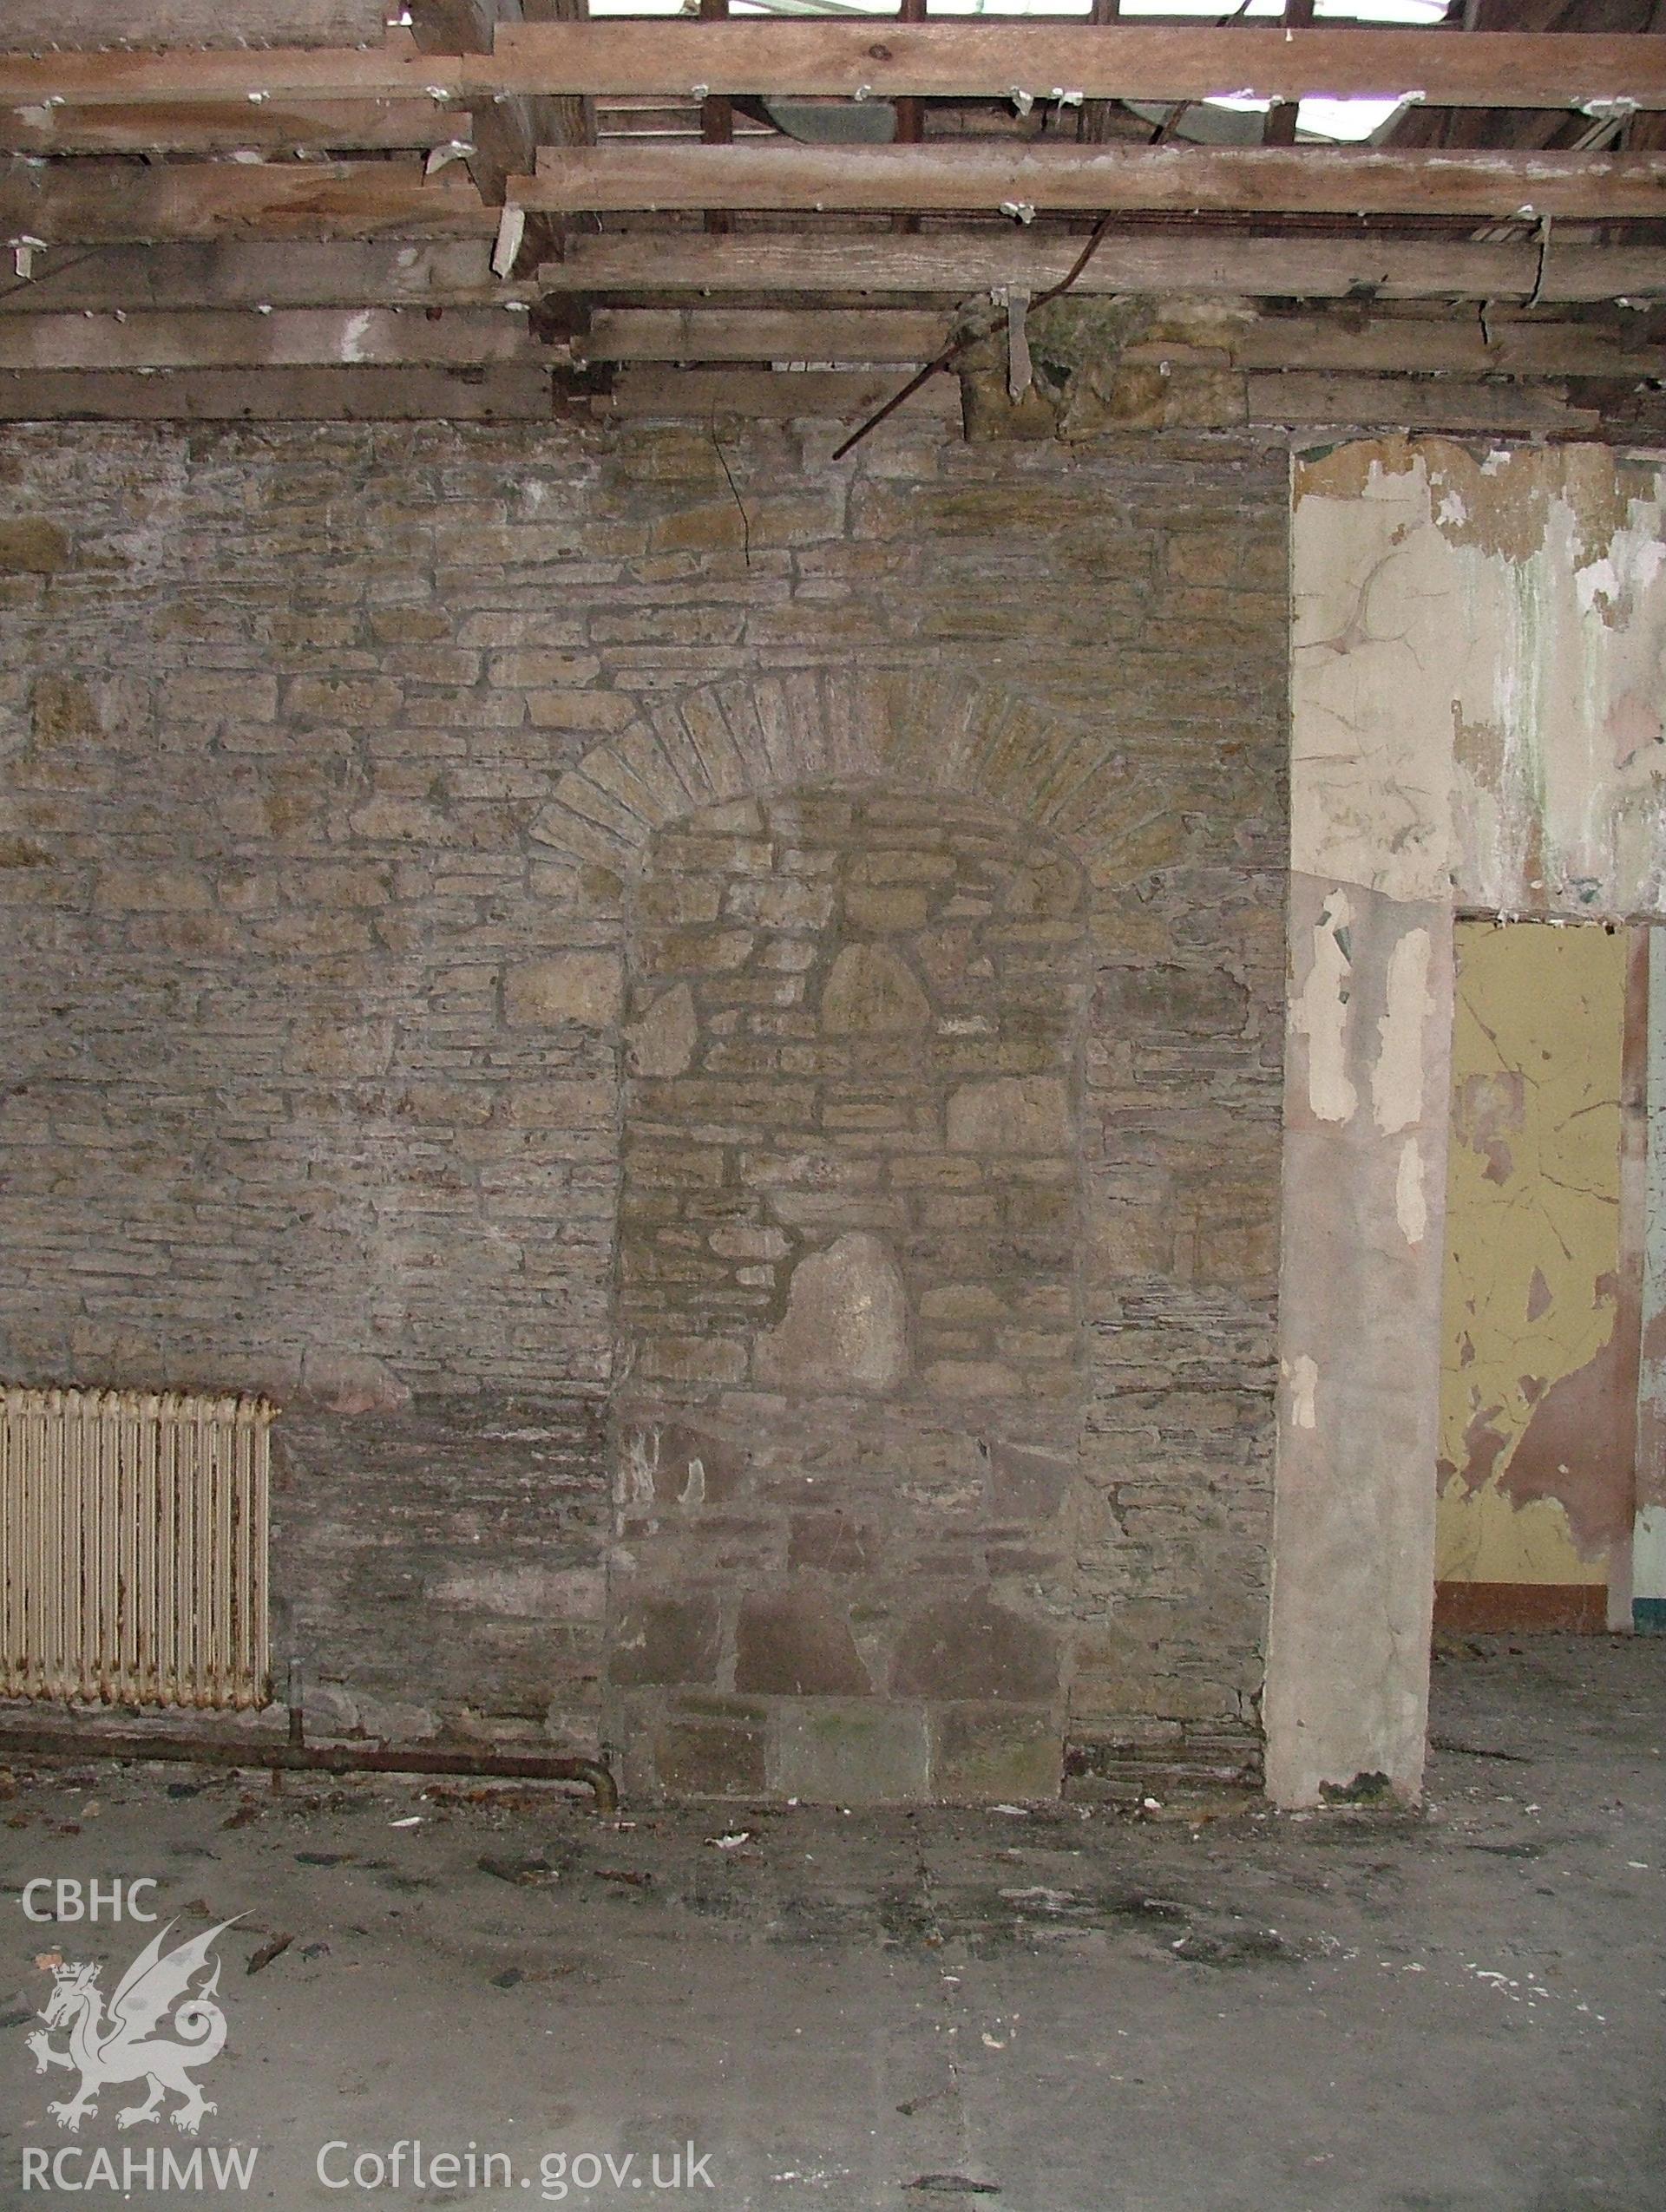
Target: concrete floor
(1071, 2010)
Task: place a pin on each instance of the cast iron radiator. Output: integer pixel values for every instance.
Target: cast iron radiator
(132, 1547)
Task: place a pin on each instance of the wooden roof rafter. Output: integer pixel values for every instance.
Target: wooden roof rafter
(99, 202)
(1211, 261)
(229, 126)
(883, 59)
(1184, 180)
(221, 256)
(1425, 344)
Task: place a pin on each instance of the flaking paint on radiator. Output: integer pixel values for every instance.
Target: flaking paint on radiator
(132, 1547)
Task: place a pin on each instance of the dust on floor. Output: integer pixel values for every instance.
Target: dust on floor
(1061, 2008)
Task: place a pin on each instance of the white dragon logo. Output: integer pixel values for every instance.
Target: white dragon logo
(120, 2047)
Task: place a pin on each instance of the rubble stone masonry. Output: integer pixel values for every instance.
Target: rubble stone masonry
(709, 1025)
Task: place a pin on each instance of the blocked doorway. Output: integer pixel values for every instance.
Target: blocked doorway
(849, 1302)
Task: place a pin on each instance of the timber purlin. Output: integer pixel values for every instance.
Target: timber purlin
(886, 59)
(1548, 186)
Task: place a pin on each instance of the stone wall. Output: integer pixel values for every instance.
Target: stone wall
(850, 1233)
(343, 768)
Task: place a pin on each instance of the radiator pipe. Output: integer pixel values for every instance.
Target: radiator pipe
(297, 1757)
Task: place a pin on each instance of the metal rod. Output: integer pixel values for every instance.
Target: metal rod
(311, 1758)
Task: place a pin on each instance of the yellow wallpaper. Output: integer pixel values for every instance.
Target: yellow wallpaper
(1533, 1254)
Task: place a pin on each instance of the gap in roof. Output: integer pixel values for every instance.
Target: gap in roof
(1347, 121)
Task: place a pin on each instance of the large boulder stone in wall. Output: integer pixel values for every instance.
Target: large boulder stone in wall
(662, 1044)
(870, 989)
(1006, 1751)
(346, 1383)
(850, 1754)
(664, 1639)
(34, 545)
(969, 1648)
(1030, 1484)
(711, 1758)
(583, 987)
(795, 1643)
(1011, 1114)
(846, 1323)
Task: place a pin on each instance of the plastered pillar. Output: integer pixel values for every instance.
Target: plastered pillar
(1360, 1340)
(1476, 637)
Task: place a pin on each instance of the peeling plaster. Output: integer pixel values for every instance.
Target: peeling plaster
(1397, 1079)
(1302, 1373)
(1532, 1432)
(1519, 600)
(1411, 1207)
(1320, 1014)
(1353, 1530)
(1485, 1537)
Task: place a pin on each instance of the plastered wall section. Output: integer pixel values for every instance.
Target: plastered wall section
(1536, 1386)
(1475, 680)
(1649, 1541)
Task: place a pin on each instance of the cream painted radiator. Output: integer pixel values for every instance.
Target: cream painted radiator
(132, 1547)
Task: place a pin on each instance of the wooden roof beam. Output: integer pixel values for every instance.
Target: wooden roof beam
(99, 203)
(498, 392)
(33, 24)
(1275, 400)
(1381, 345)
(264, 272)
(242, 339)
(950, 264)
(1297, 400)
(229, 126)
(1181, 179)
(886, 60)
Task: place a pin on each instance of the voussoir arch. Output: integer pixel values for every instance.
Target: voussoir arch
(1022, 756)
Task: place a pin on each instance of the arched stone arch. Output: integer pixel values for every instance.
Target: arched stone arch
(1155, 1558)
(1048, 764)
